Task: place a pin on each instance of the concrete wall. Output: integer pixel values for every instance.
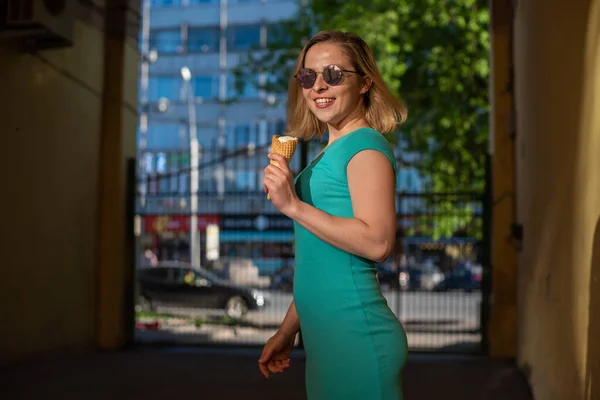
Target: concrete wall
(51, 118)
(557, 70)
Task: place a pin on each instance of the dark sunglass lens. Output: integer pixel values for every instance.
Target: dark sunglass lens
(332, 74)
(306, 78)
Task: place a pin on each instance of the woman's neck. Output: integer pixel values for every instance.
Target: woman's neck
(336, 131)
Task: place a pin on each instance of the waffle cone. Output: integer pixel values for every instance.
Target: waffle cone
(286, 149)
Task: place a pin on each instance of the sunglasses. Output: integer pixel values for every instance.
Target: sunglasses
(332, 75)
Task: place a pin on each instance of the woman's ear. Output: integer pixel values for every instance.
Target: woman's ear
(367, 82)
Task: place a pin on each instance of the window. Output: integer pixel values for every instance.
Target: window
(161, 163)
(207, 138)
(166, 137)
(159, 274)
(206, 87)
(276, 127)
(167, 41)
(165, 2)
(240, 135)
(243, 37)
(207, 180)
(177, 164)
(164, 86)
(148, 163)
(245, 180)
(203, 40)
(249, 87)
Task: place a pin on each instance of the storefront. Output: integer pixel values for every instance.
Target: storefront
(267, 239)
(168, 236)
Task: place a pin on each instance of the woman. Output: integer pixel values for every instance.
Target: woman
(344, 217)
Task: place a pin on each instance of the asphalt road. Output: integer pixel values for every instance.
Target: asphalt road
(433, 321)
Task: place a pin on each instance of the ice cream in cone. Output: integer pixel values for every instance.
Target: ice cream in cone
(284, 145)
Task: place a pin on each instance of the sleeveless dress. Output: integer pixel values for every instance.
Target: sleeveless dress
(355, 346)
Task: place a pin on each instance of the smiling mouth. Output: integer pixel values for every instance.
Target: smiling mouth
(323, 102)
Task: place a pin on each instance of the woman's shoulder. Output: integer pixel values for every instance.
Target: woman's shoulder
(367, 137)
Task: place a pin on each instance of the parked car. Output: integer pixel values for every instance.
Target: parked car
(420, 277)
(175, 285)
(409, 278)
(240, 271)
(462, 278)
(387, 277)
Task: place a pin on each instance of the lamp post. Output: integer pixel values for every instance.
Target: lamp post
(186, 74)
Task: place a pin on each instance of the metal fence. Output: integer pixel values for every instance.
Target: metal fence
(239, 289)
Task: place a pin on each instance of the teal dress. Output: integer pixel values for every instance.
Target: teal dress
(355, 346)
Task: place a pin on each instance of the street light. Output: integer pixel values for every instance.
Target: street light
(186, 74)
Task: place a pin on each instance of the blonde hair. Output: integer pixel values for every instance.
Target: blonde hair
(383, 111)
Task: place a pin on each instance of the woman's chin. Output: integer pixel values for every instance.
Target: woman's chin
(324, 117)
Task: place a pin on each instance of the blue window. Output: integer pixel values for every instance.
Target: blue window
(249, 87)
(243, 37)
(203, 40)
(167, 41)
(206, 87)
(276, 127)
(242, 134)
(165, 2)
(207, 138)
(165, 137)
(164, 86)
(245, 180)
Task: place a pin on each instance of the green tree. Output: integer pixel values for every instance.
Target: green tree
(433, 54)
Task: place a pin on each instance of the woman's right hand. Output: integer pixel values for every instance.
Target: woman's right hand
(275, 356)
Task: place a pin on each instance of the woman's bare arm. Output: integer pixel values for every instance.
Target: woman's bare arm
(291, 324)
(371, 233)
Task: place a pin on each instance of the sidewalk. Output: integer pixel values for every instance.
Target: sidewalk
(173, 331)
(227, 373)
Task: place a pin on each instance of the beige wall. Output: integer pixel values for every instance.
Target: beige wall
(50, 119)
(557, 69)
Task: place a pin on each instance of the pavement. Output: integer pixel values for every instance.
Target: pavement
(223, 373)
(432, 321)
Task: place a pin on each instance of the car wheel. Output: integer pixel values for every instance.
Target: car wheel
(236, 307)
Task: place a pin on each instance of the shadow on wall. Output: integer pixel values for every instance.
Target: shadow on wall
(592, 375)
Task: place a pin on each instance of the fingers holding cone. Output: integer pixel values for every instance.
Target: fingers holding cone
(284, 145)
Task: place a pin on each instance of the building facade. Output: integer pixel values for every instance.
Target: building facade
(206, 40)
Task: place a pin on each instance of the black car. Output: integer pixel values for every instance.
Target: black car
(462, 278)
(387, 277)
(194, 288)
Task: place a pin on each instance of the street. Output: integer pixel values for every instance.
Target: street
(426, 307)
(432, 321)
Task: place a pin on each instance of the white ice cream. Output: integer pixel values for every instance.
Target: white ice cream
(284, 139)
